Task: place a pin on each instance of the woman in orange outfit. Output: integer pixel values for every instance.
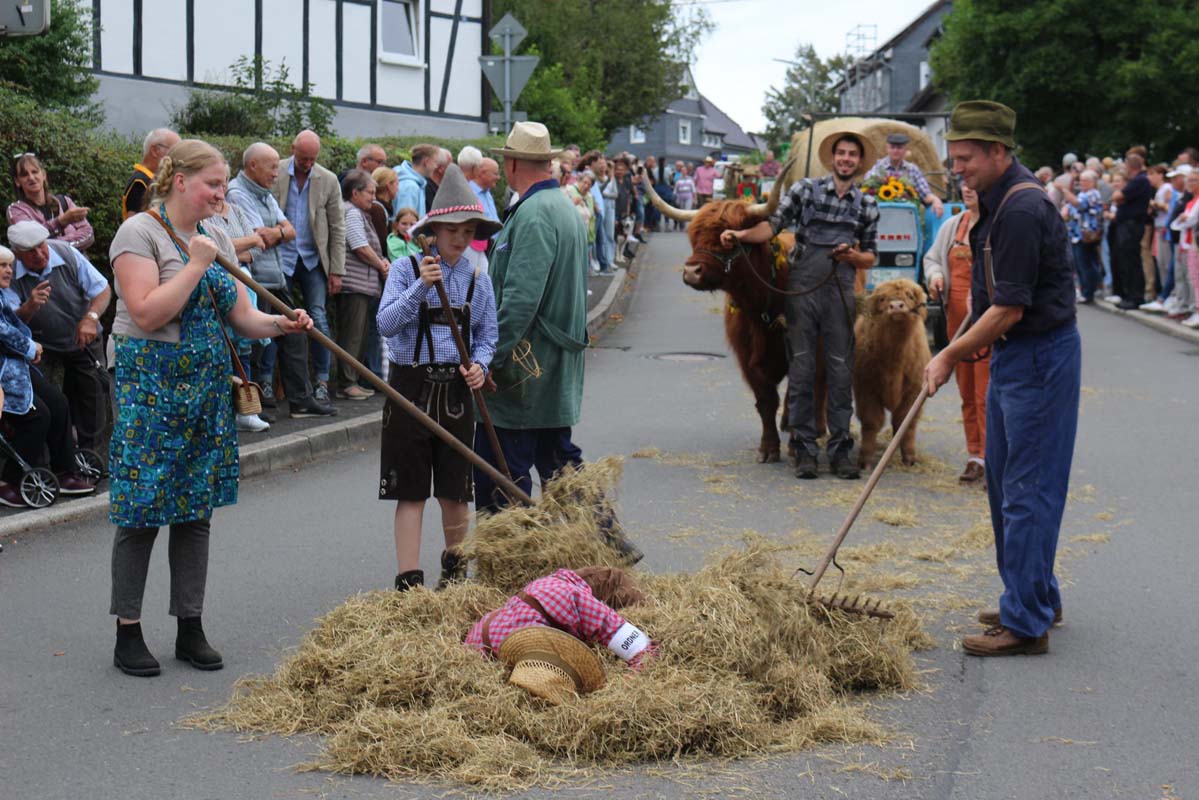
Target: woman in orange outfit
(947, 273)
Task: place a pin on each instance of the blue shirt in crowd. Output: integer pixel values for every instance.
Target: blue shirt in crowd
(303, 247)
(90, 279)
(411, 191)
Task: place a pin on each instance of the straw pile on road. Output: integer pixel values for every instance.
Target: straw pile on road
(745, 667)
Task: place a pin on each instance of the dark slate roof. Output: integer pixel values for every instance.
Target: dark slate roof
(719, 122)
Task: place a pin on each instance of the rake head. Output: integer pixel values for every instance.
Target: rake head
(855, 604)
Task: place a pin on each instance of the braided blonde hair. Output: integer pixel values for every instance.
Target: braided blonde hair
(188, 157)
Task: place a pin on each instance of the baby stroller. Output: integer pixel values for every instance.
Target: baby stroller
(38, 486)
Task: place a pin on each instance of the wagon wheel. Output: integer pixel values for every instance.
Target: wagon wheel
(38, 487)
(89, 466)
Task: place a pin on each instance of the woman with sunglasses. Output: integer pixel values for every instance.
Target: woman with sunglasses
(57, 212)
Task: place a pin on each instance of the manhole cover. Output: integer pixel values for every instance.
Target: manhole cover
(687, 356)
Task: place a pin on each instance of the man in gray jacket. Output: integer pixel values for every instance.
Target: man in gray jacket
(251, 192)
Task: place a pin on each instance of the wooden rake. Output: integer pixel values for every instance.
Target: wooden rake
(861, 604)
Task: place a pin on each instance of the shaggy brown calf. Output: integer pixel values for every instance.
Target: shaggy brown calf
(890, 354)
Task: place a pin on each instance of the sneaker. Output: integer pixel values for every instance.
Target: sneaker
(1113, 298)
(252, 423)
(9, 496)
(1156, 306)
(309, 407)
(321, 392)
(268, 395)
(1192, 321)
(1172, 305)
(353, 393)
(72, 483)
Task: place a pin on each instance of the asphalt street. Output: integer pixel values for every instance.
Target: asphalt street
(1110, 712)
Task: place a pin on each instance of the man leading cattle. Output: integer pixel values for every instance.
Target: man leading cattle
(1023, 308)
(835, 227)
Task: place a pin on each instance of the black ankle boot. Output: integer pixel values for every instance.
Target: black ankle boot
(409, 580)
(453, 568)
(191, 646)
(131, 655)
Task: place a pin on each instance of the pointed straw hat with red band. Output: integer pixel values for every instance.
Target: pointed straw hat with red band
(456, 202)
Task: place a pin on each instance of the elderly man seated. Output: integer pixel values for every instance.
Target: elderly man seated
(62, 297)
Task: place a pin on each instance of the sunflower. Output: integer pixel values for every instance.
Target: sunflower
(886, 192)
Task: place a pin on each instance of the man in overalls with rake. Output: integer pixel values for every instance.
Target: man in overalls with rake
(836, 225)
(1022, 294)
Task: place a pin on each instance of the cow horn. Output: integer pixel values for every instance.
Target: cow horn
(764, 210)
(677, 214)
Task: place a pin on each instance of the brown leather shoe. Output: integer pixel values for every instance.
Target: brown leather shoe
(973, 473)
(999, 641)
(991, 618)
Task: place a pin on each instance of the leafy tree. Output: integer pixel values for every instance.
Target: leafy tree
(627, 57)
(55, 68)
(1091, 79)
(570, 115)
(808, 86)
(263, 103)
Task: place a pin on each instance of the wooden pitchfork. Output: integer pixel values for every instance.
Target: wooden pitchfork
(426, 247)
(860, 604)
(506, 484)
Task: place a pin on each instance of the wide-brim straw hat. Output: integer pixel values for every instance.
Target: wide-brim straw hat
(551, 664)
(529, 141)
(869, 154)
(456, 202)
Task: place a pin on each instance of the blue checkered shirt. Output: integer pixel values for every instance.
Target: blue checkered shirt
(816, 200)
(399, 314)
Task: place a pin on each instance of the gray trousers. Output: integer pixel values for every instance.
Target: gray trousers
(353, 316)
(816, 320)
(188, 556)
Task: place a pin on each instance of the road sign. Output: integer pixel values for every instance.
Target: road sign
(508, 28)
(497, 122)
(518, 75)
(24, 17)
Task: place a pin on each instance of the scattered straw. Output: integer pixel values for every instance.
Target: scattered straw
(1097, 538)
(745, 668)
(898, 516)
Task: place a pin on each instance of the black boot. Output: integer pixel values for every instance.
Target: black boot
(453, 568)
(805, 465)
(191, 646)
(131, 655)
(410, 579)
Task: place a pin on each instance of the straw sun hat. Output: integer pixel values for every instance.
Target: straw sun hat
(869, 155)
(551, 664)
(529, 141)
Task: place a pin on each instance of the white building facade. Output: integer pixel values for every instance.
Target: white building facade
(388, 66)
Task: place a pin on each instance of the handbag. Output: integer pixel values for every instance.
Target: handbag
(247, 395)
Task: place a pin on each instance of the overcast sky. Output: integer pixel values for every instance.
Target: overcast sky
(734, 65)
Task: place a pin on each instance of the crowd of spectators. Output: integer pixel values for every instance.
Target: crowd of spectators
(1132, 227)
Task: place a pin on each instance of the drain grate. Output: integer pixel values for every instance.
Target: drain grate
(687, 357)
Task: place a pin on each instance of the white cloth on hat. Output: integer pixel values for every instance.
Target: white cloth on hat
(27, 235)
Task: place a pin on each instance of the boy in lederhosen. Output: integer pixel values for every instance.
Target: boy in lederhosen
(426, 369)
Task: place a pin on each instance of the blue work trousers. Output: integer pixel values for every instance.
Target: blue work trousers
(1032, 418)
(547, 449)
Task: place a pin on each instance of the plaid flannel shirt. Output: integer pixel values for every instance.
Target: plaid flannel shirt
(568, 599)
(907, 169)
(816, 200)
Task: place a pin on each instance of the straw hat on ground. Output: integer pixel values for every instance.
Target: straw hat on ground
(551, 664)
(529, 141)
(869, 155)
(456, 202)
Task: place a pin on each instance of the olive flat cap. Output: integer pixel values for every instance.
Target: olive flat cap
(984, 120)
(898, 138)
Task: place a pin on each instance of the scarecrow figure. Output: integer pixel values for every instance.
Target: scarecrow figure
(543, 632)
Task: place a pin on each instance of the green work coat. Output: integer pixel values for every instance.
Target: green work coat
(539, 267)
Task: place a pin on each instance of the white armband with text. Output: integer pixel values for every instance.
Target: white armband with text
(628, 641)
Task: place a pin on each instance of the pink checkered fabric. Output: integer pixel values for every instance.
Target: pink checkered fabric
(566, 597)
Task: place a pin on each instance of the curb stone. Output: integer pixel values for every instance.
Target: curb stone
(1156, 322)
(260, 458)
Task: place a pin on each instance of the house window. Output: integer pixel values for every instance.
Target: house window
(713, 141)
(636, 135)
(925, 74)
(684, 131)
(398, 30)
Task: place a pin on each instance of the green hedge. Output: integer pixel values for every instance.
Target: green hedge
(92, 167)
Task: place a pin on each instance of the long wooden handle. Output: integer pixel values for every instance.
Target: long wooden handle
(876, 475)
(503, 481)
(464, 357)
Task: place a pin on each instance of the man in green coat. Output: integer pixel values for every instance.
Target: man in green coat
(538, 267)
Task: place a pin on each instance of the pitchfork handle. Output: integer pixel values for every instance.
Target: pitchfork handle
(876, 475)
(503, 481)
